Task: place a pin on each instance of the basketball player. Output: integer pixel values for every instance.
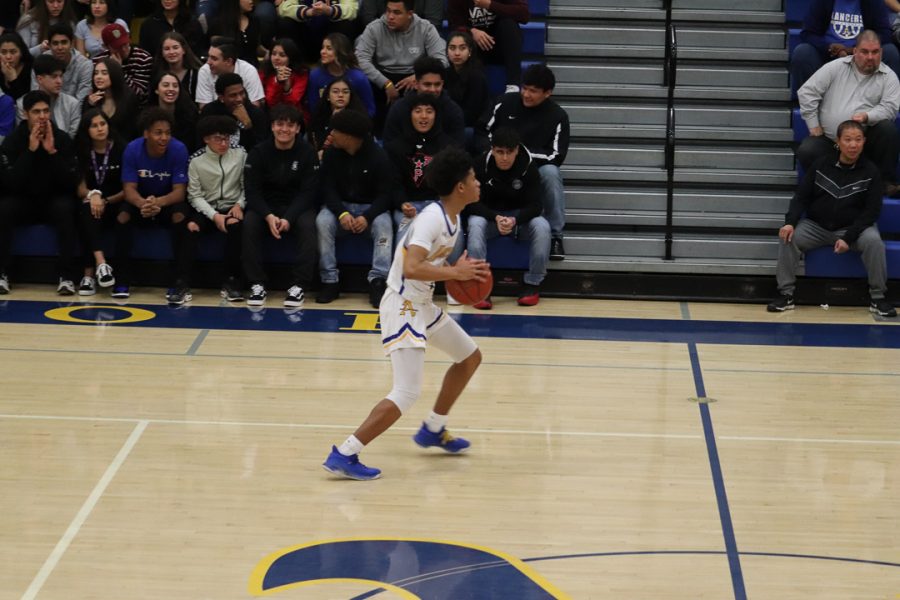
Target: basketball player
(409, 318)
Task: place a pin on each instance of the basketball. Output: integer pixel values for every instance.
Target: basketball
(471, 291)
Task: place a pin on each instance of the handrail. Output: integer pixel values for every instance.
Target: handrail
(669, 77)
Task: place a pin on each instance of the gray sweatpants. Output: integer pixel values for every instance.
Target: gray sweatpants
(809, 234)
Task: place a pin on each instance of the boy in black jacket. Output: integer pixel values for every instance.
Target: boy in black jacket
(510, 205)
(280, 184)
(357, 185)
(39, 175)
(544, 128)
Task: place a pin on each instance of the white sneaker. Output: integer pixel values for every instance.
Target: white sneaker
(4, 284)
(65, 287)
(105, 275)
(257, 295)
(88, 286)
(451, 301)
(294, 297)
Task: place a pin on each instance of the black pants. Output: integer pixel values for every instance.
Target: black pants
(91, 229)
(174, 217)
(507, 50)
(58, 210)
(303, 229)
(233, 242)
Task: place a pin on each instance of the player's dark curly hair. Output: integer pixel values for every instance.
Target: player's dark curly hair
(447, 168)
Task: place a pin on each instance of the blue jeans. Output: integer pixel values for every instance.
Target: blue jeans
(554, 198)
(401, 223)
(537, 231)
(329, 230)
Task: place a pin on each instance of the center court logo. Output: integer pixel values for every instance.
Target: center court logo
(98, 314)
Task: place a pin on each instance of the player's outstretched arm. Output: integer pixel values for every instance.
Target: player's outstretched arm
(416, 267)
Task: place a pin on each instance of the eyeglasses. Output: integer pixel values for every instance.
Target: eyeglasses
(218, 139)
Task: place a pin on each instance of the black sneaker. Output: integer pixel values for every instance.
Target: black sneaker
(179, 295)
(883, 308)
(376, 291)
(105, 277)
(257, 295)
(88, 286)
(557, 251)
(294, 297)
(781, 304)
(329, 293)
(231, 290)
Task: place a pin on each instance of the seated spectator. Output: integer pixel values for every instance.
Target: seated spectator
(858, 87)
(34, 26)
(15, 66)
(137, 63)
(265, 12)
(510, 205)
(339, 96)
(235, 20)
(284, 78)
(89, 30)
(836, 205)
(337, 59)
(280, 181)
(494, 26)
(176, 57)
(154, 177)
(831, 30)
(544, 129)
(168, 16)
(411, 152)
(78, 69)
(252, 122)
(167, 95)
(111, 94)
(66, 110)
(7, 115)
(9, 14)
(429, 74)
(466, 81)
(38, 172)
(389, 46)
(356, 188)
(100, 191)
(223, 59)
(430, 10)
(309, 21)
(216, 192)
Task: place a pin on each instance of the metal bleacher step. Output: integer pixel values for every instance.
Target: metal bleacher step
(598, 173)
(657, 218)
(620, 199)
(710, 266)
(719, 15)
(609, 9)
(732, 76)
(733, 177)
(686, 156)
(711, 92)
(698, 245)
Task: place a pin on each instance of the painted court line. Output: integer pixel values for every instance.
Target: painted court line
(605, 434)
(84, 513)
(198, 341)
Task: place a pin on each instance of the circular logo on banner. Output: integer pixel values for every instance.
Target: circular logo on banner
(97, 314)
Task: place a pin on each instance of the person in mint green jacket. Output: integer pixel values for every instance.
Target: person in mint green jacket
(216, 192)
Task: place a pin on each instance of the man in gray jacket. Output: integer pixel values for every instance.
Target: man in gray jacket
(388, 48)
(65, 109)
(859, 88)
(216, 191)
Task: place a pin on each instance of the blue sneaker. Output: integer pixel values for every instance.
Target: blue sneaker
(441, 439)
(349, 466)
(121, 291)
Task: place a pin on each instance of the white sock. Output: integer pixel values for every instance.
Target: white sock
(351, 446)
(435, 422)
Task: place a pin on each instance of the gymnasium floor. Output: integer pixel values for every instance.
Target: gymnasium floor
(620, 450)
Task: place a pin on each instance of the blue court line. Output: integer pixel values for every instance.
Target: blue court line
(734, 559)
(485, 325)
(880, 563)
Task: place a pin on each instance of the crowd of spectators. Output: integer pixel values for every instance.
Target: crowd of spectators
(246, 118)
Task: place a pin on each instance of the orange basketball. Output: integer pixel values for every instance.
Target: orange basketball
(471, 291)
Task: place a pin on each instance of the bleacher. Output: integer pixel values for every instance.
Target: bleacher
(731, 163)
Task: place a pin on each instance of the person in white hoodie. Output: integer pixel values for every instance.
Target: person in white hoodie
(216, 192)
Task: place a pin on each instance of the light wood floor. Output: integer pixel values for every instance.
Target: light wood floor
(167, 463)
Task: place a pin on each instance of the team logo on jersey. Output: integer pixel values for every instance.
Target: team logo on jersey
(517, 184)
(295, 165)
(846, 25)
(407, 308)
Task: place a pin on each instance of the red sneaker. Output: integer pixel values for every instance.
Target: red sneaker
(529, 296)
(485, 304)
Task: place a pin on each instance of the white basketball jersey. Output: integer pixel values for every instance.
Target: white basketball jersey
(433, 230)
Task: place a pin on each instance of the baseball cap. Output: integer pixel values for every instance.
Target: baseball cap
(115, 36)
